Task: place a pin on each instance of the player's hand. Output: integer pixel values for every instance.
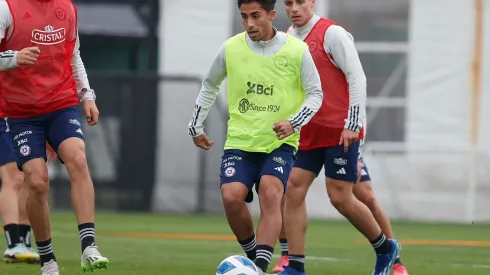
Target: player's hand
(283, 129)
(50, 153)
(347, 138)
(91, 112)
(28, 56)
(203, 141)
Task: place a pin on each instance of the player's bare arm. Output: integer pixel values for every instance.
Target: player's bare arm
(344, 53)
(205, 100)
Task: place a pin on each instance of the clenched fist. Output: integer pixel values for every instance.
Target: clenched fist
(283, 129)
(203, 141)
(28, 56)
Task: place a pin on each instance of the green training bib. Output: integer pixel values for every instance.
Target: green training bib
(262, 90)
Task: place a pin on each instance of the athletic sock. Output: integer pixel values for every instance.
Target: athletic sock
(284, 246)
(25, 234)
(381, 244)
(249, 246)
(264, 255)
(87, 234)
(12, 234)
(45, 250)
(297, 262)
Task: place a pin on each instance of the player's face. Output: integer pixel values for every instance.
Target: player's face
(299, 11)
(257, 21)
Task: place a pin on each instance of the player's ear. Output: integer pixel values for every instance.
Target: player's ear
(272, 15)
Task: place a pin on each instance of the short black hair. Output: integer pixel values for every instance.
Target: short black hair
(267, 5)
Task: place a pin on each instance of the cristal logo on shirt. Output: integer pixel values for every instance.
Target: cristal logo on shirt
(48, 36)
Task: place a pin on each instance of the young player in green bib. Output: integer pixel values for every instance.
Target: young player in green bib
(273, 90)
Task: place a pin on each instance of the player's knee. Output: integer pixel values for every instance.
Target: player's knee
(339, 192)
(364, 193)
(37, 182)
(295, 195)
(368, 199)
(296, 190)
(273, 195)
(338, 201)
(77, 163)
(18, 180)
(270, 195)
(231, 197)
(12, 177)
(230, 200)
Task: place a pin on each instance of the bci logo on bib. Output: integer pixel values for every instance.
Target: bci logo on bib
(259, 89)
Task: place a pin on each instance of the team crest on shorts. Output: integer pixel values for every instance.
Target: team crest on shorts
(230, 171)
(25, 150)
(340, 161)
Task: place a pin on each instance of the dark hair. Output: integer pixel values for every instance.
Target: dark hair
(267, 5)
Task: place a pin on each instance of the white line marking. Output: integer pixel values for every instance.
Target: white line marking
(312, 258)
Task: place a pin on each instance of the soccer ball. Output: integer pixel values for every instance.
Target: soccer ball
(237, 265)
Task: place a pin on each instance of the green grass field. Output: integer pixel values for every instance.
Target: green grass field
(185, 244)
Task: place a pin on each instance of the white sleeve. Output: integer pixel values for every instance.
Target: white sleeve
(340, 45)
(312, 85)
(8, 59)
(208, 93)
(80, 75)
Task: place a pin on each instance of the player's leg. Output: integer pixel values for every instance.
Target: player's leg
(237, 176)
(28, 137)
(341, 173)
(24, 224)
(364, 192)
(306, 168)
(65, 136)
(13, 218)
(283, 242)
(274, 173)
(9, 215)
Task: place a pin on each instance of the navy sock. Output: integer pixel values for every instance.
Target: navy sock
(87, 234)
(12, 234)
(264, 256)
(45, 251)
(297, 262)
(25, 234)
(284, 246)
(249, 246)
(381, 244)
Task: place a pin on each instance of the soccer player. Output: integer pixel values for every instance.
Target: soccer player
(16, 225)
(331, 139)
(273, 90)
(363, 191)
(42, 83)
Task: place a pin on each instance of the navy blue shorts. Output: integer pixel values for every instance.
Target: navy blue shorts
(339, 165)
(6, 149)
(364, 172)
(249, 167)
(29, 135)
